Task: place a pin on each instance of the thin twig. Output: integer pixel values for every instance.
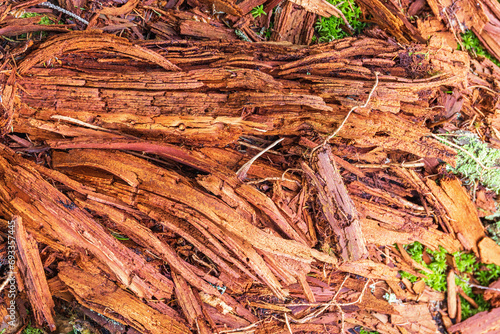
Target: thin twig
(236, 330)
(4, 284)
(410, 164)
(348, 114)
(282, 178)
(257, 148)
(242, 172)
(77, 121)
(273, 179)
(325, 306)
(288, 324)
(90, 126)
(484, 87)
(476, 286)
(67, 12)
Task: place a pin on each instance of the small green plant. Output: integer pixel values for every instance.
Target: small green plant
(472, 44)
(29, 14)
(32, 330)
(391, 298)
(118, 236)
(331, 28)
(47, 21)
(242, 35)
(258, 11)
(266, 33)
(480, 164)
(364, 331)
(494, 228)
(467, 265)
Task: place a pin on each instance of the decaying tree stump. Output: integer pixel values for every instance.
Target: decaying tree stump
(144, 140)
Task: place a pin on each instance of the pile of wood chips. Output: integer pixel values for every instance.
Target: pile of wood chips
(180, 180)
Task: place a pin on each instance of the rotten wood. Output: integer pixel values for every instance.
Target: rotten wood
(135, 133)
(32, 271)
(337, 206)
(483, 322)
(114, 302)
(463, 214)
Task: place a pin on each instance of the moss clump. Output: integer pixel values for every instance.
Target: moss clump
(468, 266)
(330, 28)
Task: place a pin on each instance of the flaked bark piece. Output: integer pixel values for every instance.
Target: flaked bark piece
(188, 302)
(320, 7)
(387, 228)
(481, 323)
(451, 294)
(95, 291)
(202, 30)
(296, 25)
(482, 17)
(489, 251)
(115, 11)
(240, 247)
(415, 319)
(60, 290)
(411, 261)
(31, 267)
(337, 206)
(492, 295)
(226, 6)
(419, 183)
(464, 218)
(22, 27)
(80, 41)
(370, 269)
(9, 92)
(264, 203)
(391, 19)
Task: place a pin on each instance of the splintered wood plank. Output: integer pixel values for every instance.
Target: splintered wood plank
(143, 236)
(33, 273)
(337, 206)
(162, 188)
(95, 291)
(42, 206)
(464, 218)
(189, 304)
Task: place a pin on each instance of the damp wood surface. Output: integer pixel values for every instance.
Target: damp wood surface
(124, 166)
